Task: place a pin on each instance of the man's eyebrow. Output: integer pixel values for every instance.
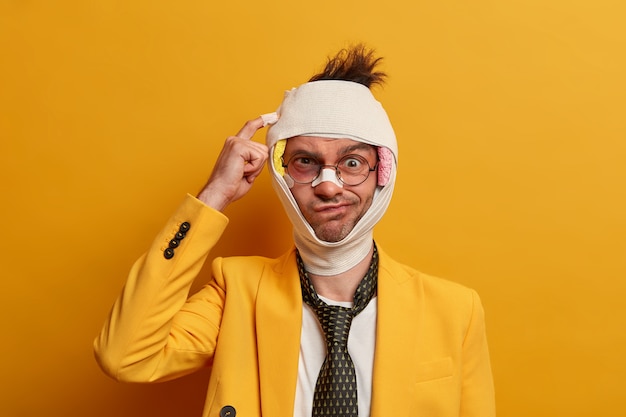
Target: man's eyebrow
(307, 152)
(359, 146)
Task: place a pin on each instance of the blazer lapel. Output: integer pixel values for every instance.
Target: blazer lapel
(278, 323)
(396, 329)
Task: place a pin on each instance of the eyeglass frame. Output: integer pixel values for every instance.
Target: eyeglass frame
(335, 167)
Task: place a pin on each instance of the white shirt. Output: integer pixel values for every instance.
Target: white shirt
(361, 344)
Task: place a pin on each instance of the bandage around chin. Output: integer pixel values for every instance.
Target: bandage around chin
(336, 110)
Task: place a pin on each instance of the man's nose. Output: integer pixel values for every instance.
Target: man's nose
(327, 185)
(327, 175)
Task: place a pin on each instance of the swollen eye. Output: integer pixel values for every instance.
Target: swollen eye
(305, 162)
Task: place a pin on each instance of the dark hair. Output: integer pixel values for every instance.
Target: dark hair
(356, 64)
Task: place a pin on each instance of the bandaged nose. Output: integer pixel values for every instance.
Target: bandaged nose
(327, 174)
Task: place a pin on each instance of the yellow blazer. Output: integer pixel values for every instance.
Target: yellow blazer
(431, 357)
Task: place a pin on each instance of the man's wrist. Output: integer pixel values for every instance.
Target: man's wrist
(213, 199)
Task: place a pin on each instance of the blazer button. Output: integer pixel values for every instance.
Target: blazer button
(228, 411)
(168, 253)
(184, 227)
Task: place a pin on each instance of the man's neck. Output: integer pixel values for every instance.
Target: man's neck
(342, 287)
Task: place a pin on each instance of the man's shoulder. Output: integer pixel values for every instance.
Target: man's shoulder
(406, 274)
(402, 286)
(250, 276)
(256, 262)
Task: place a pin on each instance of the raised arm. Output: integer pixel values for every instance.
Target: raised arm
(152, 332)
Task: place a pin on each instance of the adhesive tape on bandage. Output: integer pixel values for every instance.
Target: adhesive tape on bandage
(269, 118)
(327, 174)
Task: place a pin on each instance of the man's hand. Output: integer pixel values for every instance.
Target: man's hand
(240, 162)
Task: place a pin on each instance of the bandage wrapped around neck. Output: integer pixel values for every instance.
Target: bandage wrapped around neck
(339, 110)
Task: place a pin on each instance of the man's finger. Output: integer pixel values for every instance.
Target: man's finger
(249, 129)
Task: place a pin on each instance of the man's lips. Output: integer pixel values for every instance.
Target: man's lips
(330, 208)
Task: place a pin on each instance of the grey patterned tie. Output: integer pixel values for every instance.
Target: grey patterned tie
(336, 391)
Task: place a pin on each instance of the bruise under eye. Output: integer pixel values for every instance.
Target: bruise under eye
(304, 160)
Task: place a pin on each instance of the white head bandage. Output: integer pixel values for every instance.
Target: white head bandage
(333, 109)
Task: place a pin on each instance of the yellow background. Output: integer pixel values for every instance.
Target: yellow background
(511, 119)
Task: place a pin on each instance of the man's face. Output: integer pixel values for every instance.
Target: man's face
(332, 210)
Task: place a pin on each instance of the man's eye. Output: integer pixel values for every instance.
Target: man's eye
(304, 161)
(353, 163)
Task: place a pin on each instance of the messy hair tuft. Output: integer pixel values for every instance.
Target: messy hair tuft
(357, 63)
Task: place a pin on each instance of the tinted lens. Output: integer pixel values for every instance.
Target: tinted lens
(303, 169)
(351, 169)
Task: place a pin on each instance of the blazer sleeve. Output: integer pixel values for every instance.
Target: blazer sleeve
(477, 391)
(153, 332)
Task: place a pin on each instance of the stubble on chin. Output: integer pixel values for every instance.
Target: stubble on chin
(328, 233)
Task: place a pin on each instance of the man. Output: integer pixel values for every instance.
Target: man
(334, 326)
